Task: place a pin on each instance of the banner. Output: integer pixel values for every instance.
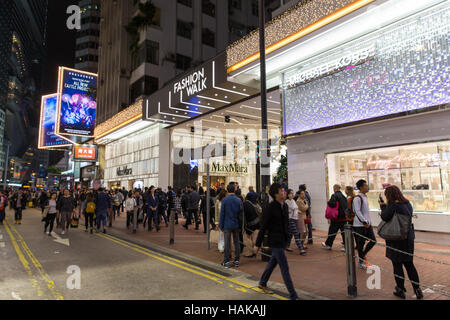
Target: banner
(77, 105)
(85, 153)
(47, 137)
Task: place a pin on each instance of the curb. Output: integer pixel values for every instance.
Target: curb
(278, 288)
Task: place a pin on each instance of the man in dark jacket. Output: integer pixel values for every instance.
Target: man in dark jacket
(231, 215)
(162, 205)
(18, 203)
(66, 207)
(339, 223)
(275, 223)
(102, 208)
(252, 196)
(194, 200)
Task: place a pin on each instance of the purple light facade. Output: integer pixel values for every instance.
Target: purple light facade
(410, 71)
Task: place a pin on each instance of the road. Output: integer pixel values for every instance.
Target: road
(35, 266)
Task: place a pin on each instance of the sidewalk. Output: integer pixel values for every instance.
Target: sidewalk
(320, 272)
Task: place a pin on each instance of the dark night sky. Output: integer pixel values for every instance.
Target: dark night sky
(60, 43)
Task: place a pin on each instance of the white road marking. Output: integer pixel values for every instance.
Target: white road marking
(2, 244)
(1, 237)
(428, 290)
(15, 296)
(58, 239)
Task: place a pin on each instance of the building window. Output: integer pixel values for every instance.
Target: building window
(145, 86)
(187, 3)
(148, 53)
(209, 8)
(237, 29)
(255, 7)
(183, 62)
(208, 37)
(157, 17)
(184, 29)
(235, 4)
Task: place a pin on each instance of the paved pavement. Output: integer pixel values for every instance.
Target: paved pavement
(35, 266)
(319, 274)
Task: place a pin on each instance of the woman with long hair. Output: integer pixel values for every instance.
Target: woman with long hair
(398, 204)
(220, 243)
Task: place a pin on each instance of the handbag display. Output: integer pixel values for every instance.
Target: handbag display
(332, 213)
(395, 229)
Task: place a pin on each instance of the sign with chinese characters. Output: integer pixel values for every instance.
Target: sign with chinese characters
(47, 137)
(77, 106)
(85, 153)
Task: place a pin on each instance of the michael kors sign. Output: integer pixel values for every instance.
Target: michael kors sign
(124, 172)
(231, 168)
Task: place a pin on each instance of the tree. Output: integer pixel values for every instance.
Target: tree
(53, 169)
(282, 172)
(142, 20)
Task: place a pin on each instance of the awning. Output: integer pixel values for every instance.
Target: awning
(197, 92)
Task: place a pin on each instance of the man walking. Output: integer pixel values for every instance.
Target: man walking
(18, 202)
(66, 208)
(362, 224)
(339, 223)
(102, 208)
(231, 213)
(194, 200)
(275, 223)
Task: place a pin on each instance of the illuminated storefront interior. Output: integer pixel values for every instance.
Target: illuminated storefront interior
(422, 171)
(238, 128)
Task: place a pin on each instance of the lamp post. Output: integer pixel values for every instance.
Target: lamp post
(6, 166)
(264, 150)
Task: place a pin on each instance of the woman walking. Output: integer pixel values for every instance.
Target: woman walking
(152, 209)
(89, 211)
(251, 225)
(130, 205)
(398, 204)
(303, 207)
(51, 214)
(66, 207)
(220, 197)
(294, 223)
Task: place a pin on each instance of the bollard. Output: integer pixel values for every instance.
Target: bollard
(352, 290)
(172, 226)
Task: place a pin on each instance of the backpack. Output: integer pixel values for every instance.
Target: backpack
(90, 207)
(129, 204)
(349, 212)
(258, 210)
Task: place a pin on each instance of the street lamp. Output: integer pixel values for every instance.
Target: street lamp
(264, 146)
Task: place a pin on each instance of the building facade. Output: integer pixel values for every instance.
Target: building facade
(22, 51)
(87, 42)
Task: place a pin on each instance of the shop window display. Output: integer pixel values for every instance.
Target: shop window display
(422, 171)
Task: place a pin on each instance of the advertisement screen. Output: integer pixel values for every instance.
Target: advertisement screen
(47, 137)
(85, 153)
(77, 103)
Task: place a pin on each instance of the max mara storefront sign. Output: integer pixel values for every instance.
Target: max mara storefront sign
(230, 168)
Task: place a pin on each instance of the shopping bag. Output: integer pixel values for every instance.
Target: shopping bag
(74, 223)
(221, 242)
(214, 236)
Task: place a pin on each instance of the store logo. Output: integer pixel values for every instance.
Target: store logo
(124, 172)
(193, 84)
(234, 168)
(346, 62)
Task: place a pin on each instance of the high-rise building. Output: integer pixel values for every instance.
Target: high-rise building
(183, 33)
(22, 44)
(86, 55)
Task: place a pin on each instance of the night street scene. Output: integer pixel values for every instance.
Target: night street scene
(220, 159)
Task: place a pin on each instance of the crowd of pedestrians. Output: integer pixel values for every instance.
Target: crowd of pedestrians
(268, 220)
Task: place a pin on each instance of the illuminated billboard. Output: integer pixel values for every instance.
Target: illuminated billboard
(47, 137)
(85, 153)
(77, 103)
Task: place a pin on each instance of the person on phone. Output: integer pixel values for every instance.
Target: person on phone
(362, 224)
(397, 203)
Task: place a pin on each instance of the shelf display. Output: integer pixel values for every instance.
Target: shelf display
(422, 171)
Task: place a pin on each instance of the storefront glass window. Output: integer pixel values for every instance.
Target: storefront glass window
(422, 171)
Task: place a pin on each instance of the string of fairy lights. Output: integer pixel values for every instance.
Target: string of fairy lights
(297, 18)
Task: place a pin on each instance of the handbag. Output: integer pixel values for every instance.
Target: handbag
(308, 220)
(332, 213)
(395, 229)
